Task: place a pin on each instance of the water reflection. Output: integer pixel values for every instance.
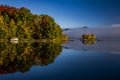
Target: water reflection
(21, 57)
(90, 42)
(112, 46)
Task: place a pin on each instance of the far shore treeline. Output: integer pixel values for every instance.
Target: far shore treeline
(21, 23)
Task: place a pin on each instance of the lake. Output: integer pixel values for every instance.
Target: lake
(69, 61)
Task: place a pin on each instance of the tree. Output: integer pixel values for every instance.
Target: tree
(1, 21)
(88, 38)
(20, 22)
(2, 33)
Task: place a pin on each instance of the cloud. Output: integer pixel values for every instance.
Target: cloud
(116, 25)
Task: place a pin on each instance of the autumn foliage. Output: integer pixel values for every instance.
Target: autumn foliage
(88, 39)
(20, 22)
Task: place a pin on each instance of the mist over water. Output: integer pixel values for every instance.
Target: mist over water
(106, 33)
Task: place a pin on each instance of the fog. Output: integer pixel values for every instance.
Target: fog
(101, 33)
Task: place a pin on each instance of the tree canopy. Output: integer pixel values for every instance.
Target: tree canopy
(20, 22)
(88, 39)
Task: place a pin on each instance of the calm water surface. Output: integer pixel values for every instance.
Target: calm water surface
(69, 61)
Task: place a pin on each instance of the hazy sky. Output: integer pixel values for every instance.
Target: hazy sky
(74, 13)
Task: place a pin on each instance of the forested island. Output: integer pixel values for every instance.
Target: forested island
(21, 23)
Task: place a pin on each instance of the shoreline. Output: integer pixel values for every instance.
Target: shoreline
(33, 40)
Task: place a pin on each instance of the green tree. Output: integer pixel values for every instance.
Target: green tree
(2, 33)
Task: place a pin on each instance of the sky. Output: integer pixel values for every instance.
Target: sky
(74, 13)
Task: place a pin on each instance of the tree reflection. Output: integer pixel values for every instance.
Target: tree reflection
(90, 42)
(21, 57)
